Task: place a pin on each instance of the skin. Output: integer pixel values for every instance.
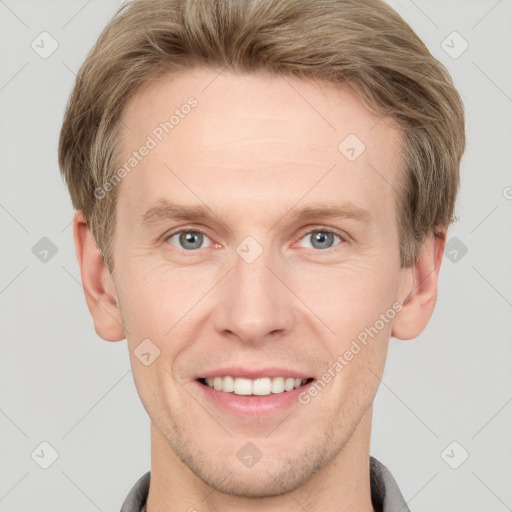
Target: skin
(254, 149)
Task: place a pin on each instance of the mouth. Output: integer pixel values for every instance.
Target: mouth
(262, 386)
(250, 392)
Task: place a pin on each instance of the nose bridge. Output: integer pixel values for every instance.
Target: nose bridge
(255, 303)
(252, 282)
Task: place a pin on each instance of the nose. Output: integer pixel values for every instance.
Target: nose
(254, 305)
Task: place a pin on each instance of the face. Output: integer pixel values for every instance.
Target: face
(250, 251)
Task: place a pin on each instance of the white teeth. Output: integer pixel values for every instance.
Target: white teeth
(243, 386)
(217, 383)
(260, 387)
(288, 384)
(228, 384)
(277, 385)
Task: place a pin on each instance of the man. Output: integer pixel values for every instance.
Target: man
(262, 192)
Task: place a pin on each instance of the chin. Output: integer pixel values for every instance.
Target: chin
(256, 482)
(274, 474)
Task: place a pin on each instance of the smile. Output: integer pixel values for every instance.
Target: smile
(254, 387)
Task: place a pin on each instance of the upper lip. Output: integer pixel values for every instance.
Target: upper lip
(253, 373)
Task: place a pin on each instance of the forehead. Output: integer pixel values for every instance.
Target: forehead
(272, 141)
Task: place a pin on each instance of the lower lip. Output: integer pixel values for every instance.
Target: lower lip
(253, 406)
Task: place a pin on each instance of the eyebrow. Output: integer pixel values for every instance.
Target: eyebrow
(330, 211)
(164, 210)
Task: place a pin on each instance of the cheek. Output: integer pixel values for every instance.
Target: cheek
(356, 304)
(349, 298)
(155, 298)
(158, 307)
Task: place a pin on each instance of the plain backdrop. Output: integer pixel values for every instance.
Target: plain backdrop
(443, 413)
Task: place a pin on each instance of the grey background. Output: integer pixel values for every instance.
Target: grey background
(62, 384)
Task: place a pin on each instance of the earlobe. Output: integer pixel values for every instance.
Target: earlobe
(421, 295)
(99, 289)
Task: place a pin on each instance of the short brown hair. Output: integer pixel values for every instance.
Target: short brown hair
(365, 45)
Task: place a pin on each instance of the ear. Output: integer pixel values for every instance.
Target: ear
(98, 285)
(420, 290)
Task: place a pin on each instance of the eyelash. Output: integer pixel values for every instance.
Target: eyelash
(303, 234)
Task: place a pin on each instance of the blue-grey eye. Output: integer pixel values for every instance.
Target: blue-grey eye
(321, 239)
(188, 240)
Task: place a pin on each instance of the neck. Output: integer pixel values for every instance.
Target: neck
(342, 485)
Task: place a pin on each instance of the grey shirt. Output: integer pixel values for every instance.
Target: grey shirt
(386, 496)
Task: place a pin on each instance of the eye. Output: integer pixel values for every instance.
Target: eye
(321, 239)
(189, 239)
